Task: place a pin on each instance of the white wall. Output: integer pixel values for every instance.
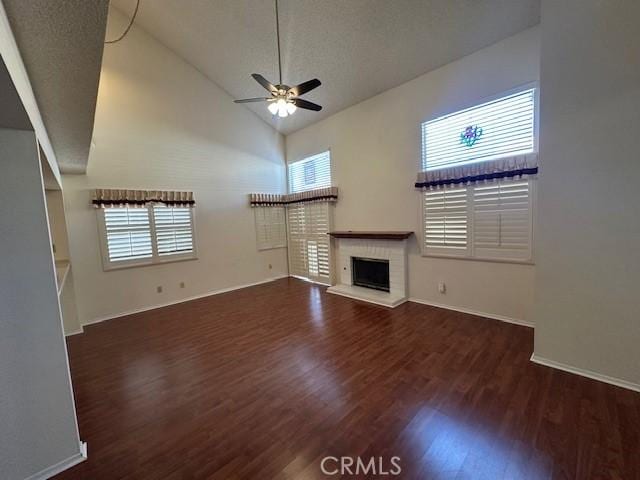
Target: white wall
(37, 418)
(587, 305)
(57, 224)
(375, 153)
(160, 124)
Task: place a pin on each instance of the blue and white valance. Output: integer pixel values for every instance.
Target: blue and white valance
(516, 166)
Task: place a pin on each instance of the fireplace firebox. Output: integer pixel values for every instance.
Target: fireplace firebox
(370, 273)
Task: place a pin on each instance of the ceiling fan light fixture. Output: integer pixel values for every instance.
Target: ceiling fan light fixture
(284, 100)
(273, 108)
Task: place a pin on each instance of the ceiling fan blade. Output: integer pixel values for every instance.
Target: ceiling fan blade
(300, 103)
(251, 100)
(305, 87)
(264, 82)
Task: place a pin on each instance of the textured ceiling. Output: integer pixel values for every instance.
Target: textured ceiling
(61, 45)
(357, 48)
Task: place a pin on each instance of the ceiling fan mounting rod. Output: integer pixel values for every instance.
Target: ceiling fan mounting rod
(278, 40)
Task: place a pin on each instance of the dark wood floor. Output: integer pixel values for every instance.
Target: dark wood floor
(264, 382)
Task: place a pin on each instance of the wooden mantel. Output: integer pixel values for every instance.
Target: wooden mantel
(381, 235)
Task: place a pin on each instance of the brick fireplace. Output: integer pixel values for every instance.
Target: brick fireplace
(382, 250)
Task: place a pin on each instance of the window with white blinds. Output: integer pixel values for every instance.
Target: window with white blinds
(127, 234)
(147, 235)
(271, 229)
(445, 220)
(499, 128)
(309, 255)
(489, 220)
(310, 173)
(173, 230)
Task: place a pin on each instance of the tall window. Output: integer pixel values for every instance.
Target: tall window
(480, 215)
(310, 173)
(142, 236)
(309, 223)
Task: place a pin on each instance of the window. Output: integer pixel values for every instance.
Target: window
(270, 227)
(310, 173)
(309, 243)
(147, 235)
(484, 219)
(489, 220)
(500, 128)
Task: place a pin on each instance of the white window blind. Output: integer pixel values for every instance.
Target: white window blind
(310, 173)
(147, 235)
(499, 128)
(270, 227)
(309, 255)
(445, 220)
(173, 230)
(502, 220)
(489, 220)
(128, 234)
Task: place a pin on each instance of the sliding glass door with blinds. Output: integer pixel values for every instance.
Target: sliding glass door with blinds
(309, 255)
(136, 236)
(308, 223)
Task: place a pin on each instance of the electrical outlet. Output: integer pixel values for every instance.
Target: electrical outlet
(442, 287)
(181, 284)
(159, 289)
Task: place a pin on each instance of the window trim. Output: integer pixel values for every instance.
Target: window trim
(469, 252)
(487, 99)
(155, 259)
(306, 157)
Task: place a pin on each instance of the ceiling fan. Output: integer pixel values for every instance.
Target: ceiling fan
(284, 100)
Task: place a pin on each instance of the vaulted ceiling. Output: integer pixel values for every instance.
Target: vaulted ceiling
(357, 48)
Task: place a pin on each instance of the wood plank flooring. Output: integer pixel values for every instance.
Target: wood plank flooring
(265, 382)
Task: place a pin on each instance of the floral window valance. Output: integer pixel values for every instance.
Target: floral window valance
(328, 194)
(516, 166)
(109, 197)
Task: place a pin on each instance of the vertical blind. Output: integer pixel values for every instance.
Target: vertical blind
(499, 128)
(310, 173)
(308, 240)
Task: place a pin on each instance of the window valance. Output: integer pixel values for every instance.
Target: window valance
(109, 197)
(328, 194)
(516, 166)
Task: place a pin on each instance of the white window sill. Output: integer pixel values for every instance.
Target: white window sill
(163, 261)
(478, 259)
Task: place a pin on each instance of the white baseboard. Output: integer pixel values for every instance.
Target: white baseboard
(585, 373)
(183, 300)
(59, 467)
(493, 316)
(74, 332)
